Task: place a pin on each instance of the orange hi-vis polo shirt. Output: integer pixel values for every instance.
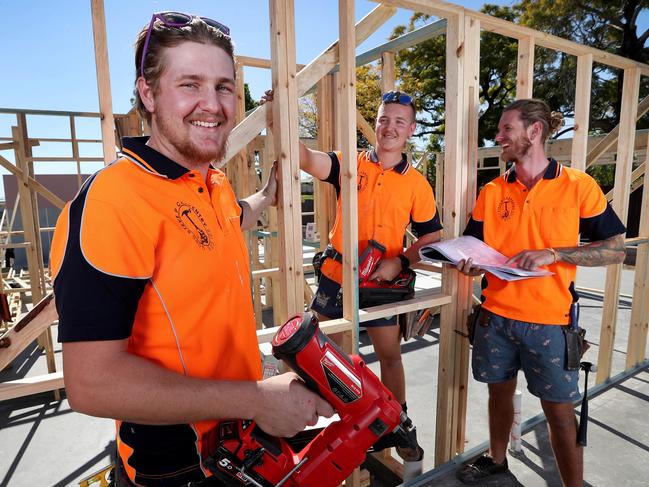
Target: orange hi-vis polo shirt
(388, 201)
(510, 218)
(150, 252)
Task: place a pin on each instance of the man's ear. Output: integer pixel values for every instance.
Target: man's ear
(146, 94)
(535, 131)
(411, 130)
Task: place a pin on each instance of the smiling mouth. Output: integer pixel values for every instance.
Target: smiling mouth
(199, 123)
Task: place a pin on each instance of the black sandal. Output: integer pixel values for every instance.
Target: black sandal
(479, 469)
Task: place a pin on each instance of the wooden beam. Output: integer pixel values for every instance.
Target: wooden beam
(582, 111)
(365, 128)
(285, 132)
(348, 172)
(630, 92)
(422, 300)
(639, 323)
(306, 78)
(33, 184)
(31, 385)
(325, 195)
(29, 327)
(462, 61)
(611, 138)
(103, 80)
(525, 68)
(503, 27)
(387, 71)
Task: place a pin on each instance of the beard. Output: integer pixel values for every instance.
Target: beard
(517, 150)
(187, 148)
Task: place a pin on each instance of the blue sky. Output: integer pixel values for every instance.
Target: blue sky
(47, 52)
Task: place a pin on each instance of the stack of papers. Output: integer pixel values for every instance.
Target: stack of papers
(463, 248)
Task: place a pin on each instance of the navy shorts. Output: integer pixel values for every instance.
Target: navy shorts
(325, 303)
(503, 346)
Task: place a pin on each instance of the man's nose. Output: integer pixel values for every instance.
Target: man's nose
(210, 101)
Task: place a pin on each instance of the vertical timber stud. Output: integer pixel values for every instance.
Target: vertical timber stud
(582, 111)
(637, 344)
(103, 80)
(325, 196)
(387, 71)
(625, 147)
(348, 177)
(470, 175)
(454, 219)
(525, 68)
(285, 133)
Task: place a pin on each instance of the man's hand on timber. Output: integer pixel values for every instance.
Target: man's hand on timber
(532, 259)
(286, 406)
(267, 97)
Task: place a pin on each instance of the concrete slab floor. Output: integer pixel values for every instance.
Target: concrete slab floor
(45, 443)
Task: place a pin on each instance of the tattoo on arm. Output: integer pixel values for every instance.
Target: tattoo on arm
(600, 253)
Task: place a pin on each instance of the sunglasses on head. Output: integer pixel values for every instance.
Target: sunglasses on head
(176, 20)
(397, 97)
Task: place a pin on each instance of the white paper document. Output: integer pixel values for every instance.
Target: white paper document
(462, 248)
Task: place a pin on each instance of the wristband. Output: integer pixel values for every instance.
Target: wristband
(554, 254)
(405, 263)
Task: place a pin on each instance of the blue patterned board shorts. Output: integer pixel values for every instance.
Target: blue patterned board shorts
(325, 303)
(504, 346)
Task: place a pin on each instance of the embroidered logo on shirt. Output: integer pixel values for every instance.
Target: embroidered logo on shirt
(362, 181)
(192, 222)
(506, 208)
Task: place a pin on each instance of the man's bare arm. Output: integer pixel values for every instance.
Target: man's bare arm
(103, 379)
(595, 254)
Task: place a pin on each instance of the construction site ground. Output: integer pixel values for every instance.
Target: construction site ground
(44, 443)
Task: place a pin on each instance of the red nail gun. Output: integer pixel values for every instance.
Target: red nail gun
(367, 410)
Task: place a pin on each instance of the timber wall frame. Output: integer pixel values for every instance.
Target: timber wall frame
(337, 128)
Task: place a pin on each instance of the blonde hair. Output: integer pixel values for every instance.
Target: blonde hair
(533, 110)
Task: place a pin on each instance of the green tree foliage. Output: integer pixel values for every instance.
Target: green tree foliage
(607, 25)
(421, 70)
(250, 103)
(368, 97)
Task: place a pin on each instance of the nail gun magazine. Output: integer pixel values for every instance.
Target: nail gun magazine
(462, 248)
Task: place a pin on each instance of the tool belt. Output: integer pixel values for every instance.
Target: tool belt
(328, 253)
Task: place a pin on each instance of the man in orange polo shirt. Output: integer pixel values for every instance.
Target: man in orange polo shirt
(391, 196)
(535, 213)
(152, 276)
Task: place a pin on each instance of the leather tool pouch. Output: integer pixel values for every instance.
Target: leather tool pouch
(475, 317)
(576, 344)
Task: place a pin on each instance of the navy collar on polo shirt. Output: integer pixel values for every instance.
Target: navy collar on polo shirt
(159, 162)
(552, 171)
(400, 168)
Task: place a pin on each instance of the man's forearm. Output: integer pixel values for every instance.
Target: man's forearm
(600, 253)
(412, 253)
(134, 389)
(251, 208)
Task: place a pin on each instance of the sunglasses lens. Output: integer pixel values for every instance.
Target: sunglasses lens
(217, 25)
(175, 18)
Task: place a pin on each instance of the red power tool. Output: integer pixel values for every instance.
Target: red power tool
(367, 410)
(374, 293)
